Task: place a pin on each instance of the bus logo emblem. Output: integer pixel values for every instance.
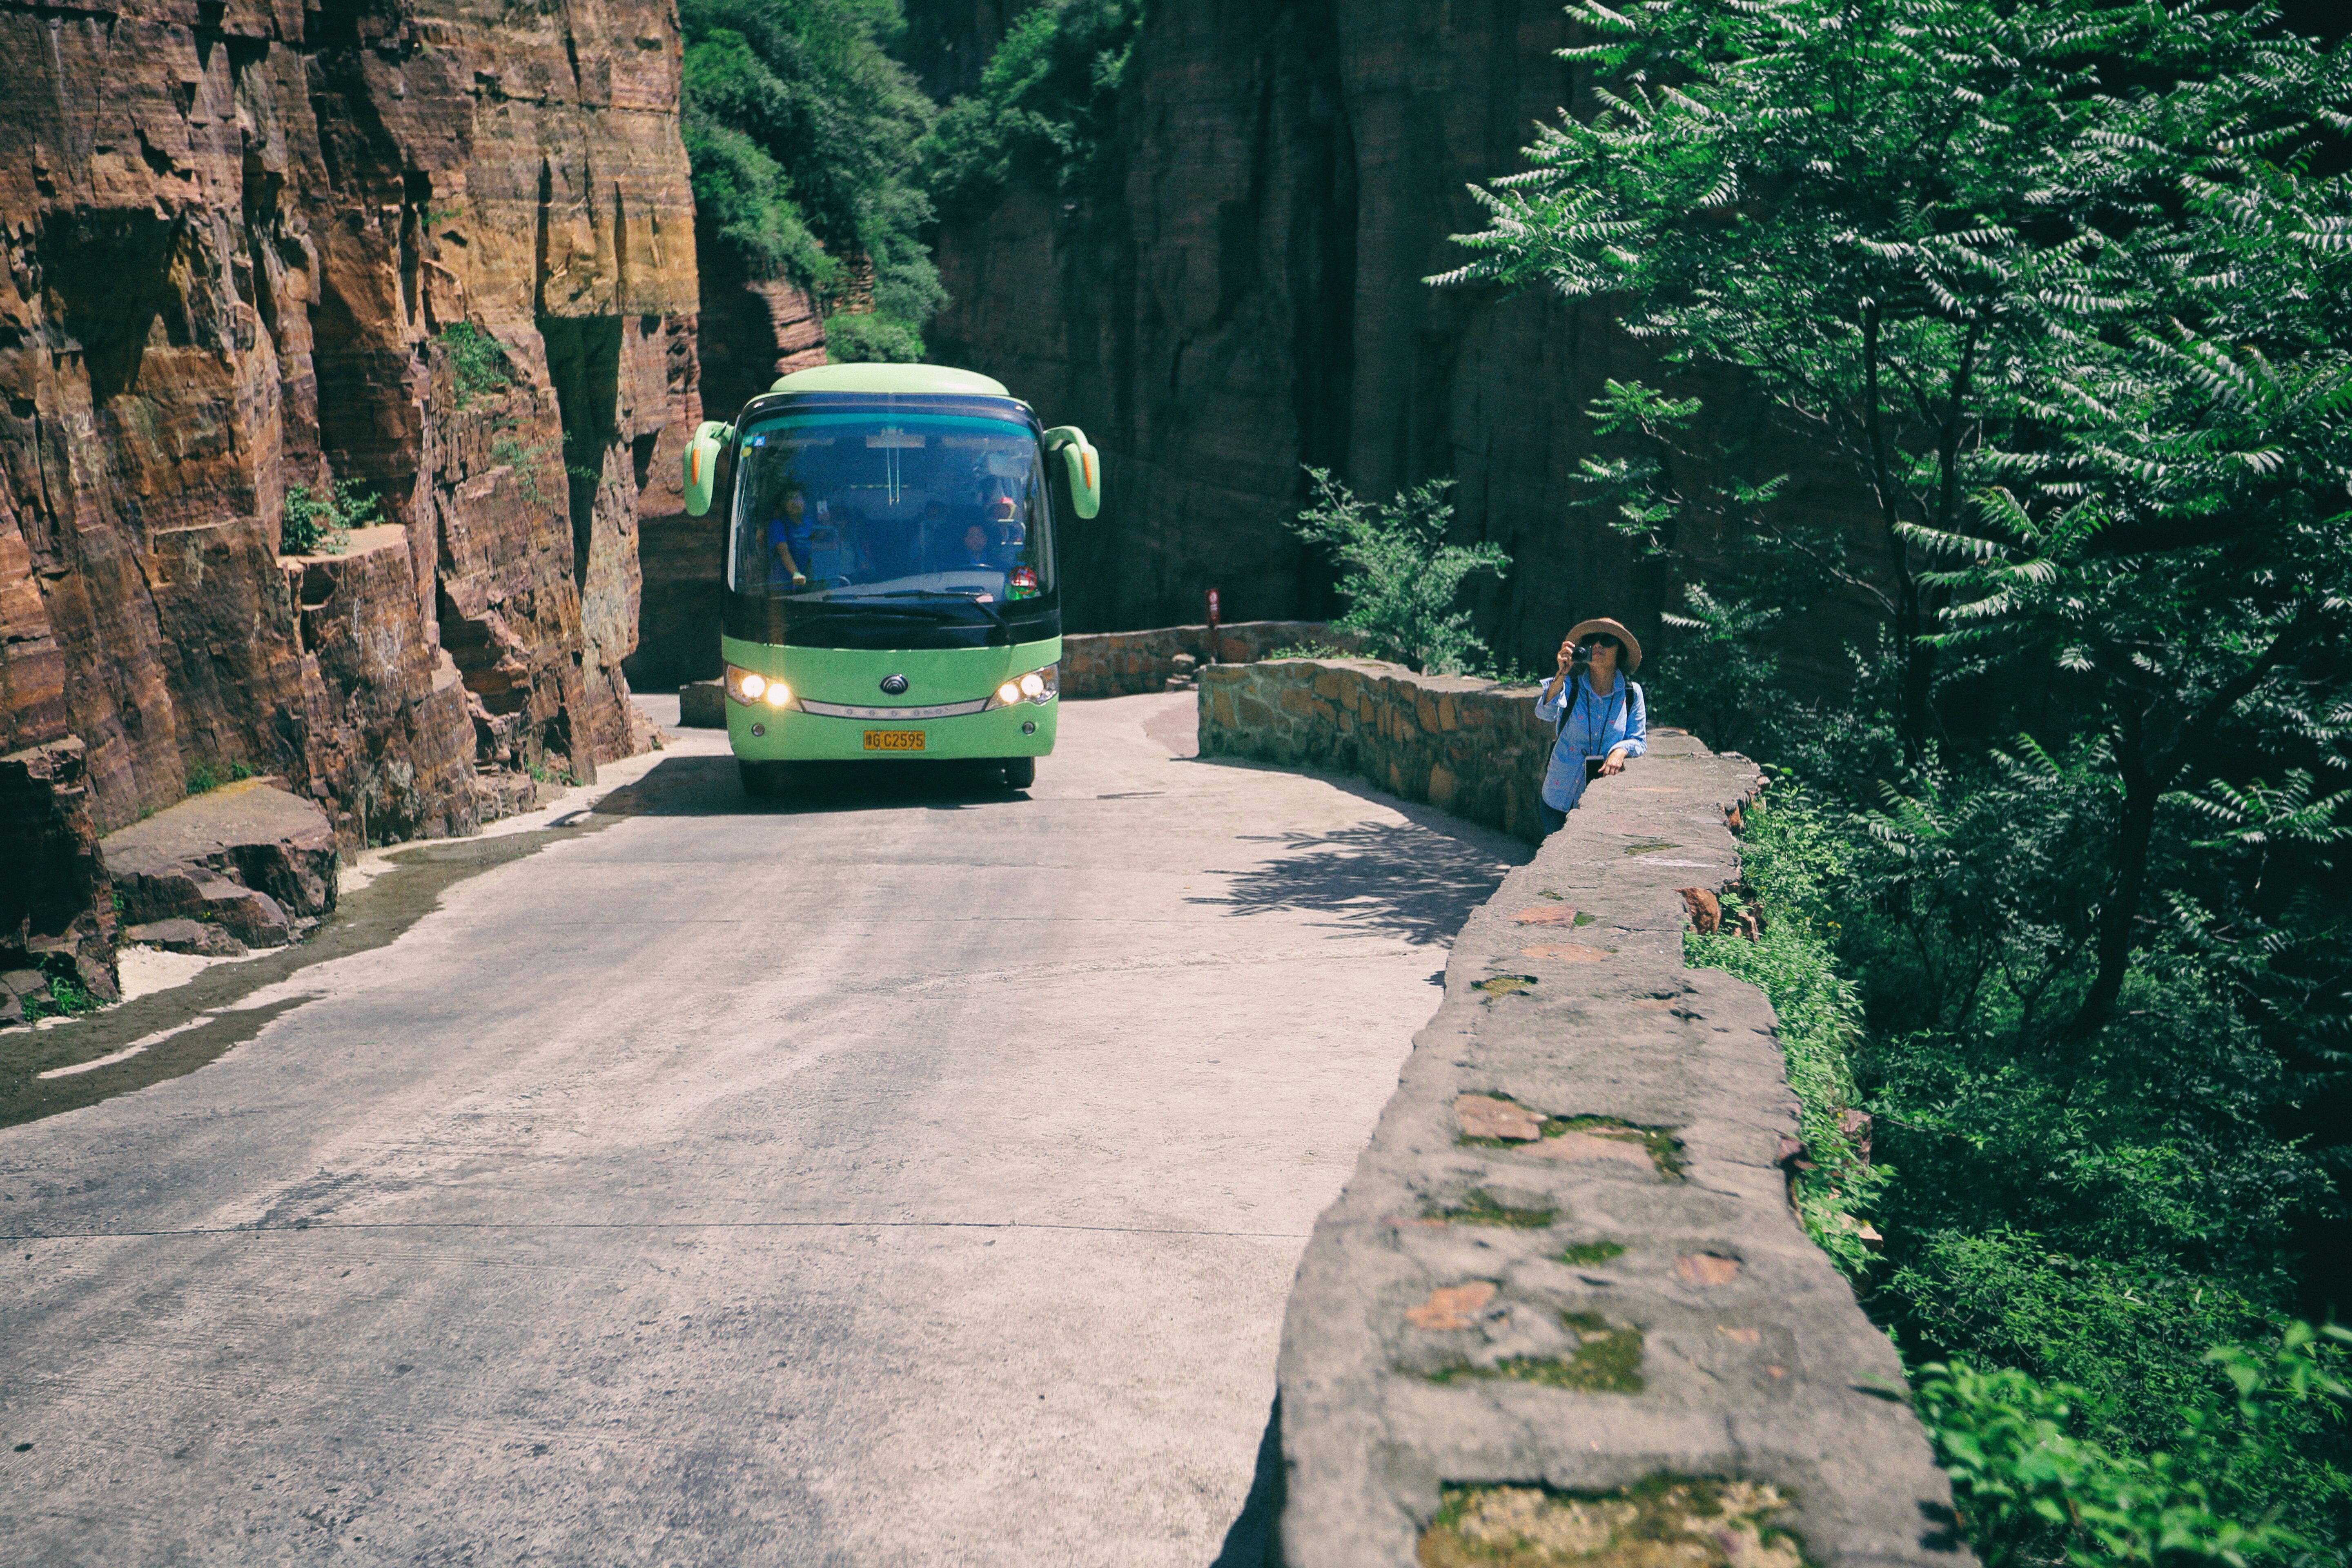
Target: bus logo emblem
(893, 685)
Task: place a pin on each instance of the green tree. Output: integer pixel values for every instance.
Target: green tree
(1045, 105)
(1915, 223)
(801, 131)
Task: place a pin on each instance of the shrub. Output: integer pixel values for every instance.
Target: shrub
(526, 461)
(2092, 1218)
(68, 996)
(320, 522)
(1790, 855)
(477, 361)
(1400, 575)
(2033, 1488)
(863, 337)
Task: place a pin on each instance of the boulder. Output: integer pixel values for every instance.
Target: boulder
(702, 705)
(250, 858)
(54, 893)
(181, 934)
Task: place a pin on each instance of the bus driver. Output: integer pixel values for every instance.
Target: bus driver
(787, 541)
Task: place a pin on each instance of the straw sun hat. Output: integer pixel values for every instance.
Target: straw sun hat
(1582, 629)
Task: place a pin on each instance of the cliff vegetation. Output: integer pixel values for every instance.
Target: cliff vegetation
(802, 130)
(1043, 110)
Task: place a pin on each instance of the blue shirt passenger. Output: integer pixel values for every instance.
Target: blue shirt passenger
(787, 541)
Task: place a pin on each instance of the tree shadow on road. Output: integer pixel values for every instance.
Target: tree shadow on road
(1419, 879)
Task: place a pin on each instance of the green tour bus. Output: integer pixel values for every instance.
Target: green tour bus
(891, 580)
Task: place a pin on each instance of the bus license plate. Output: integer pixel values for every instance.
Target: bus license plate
(894, 740)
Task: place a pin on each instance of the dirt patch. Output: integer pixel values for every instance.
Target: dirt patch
(1479, 1206)
(1565, 951)
(1496, 985)
(1495, 1122)
(1607, 1360)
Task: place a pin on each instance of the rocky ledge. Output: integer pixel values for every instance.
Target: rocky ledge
(248, 865)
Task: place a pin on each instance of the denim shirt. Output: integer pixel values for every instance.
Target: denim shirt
(1594, 727)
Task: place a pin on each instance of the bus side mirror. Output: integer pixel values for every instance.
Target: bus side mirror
(702, 455)
(1085, 464)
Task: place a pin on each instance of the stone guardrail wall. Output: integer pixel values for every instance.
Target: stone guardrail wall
(1123, 664)
(1563, 1298)
(1469, 747)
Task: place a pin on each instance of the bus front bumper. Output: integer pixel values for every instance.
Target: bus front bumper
(764, 734)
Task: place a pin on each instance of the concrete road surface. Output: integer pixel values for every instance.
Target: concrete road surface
(913, 1178)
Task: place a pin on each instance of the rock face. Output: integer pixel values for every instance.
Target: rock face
(1244, 295)
(752, 329)
(240, 235)
(251, 858)
(54, 903)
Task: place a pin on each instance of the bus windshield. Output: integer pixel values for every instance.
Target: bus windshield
(927, 511)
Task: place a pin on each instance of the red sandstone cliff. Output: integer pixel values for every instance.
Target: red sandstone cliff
(235, 232)
(752, 329)
(1243, 294)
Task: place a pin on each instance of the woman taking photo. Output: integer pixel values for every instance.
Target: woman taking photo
(1598, 710)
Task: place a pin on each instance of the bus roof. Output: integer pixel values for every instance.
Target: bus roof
(912, 380)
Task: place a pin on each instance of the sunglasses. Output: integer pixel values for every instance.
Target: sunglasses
(1599, 639)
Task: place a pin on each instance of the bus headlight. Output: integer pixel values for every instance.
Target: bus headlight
(1040, 686)
(749, 686)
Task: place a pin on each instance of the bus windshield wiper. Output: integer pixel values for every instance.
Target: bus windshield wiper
(993, 613)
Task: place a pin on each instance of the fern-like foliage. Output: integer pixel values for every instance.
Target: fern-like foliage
(2063, 288)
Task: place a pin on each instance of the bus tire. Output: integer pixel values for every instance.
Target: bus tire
(1019, 773)
(760, 780)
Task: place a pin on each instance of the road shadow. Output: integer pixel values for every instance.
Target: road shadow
(1254, 1538)
(1419, 879)
(701, 784)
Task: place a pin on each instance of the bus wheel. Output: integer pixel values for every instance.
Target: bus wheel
(1019, 773)
(760, 780)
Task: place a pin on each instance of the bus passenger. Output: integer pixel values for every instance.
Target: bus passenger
(788, 542)
(975, 552)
